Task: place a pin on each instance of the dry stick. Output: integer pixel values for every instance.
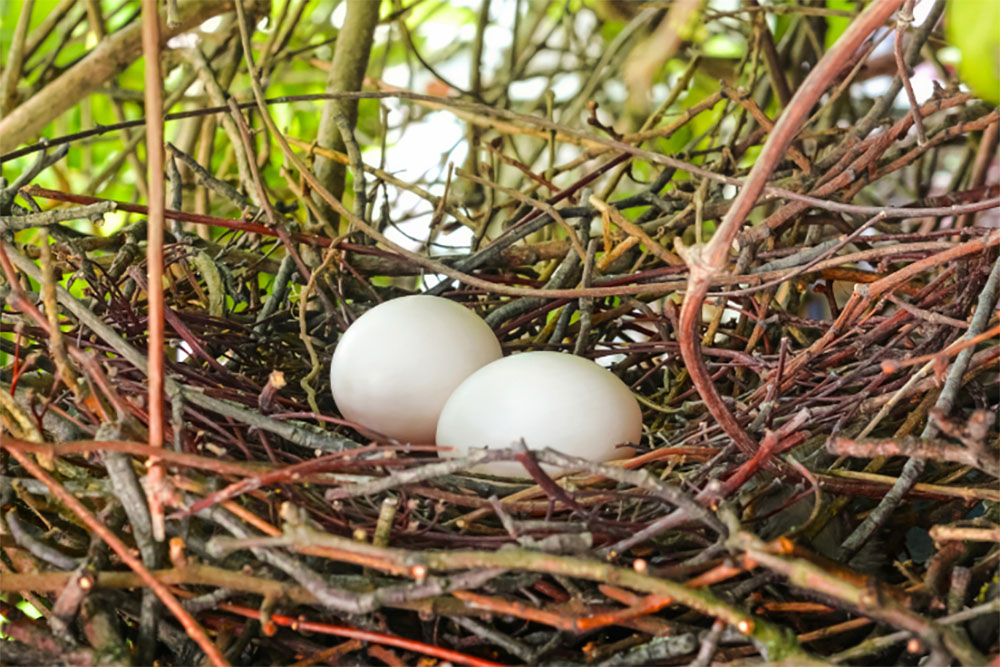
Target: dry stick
(15, 58)
(41, 163)
(242, 152)
(183, 216)
(903, 20)
(645, 132)
(219, 187)
(57, 344)
(745, 101)
(154, 255)
(275, 221)
(129, 143)
(96, 20)
(277, 26)
(927, 315)
(953, 130)
(707, 262)
(980, 168)
(156, 490)
(586, 303)
(917, 448)
(37, 547)
(55, 216)
(356, 163)
(949, 351)
(709, 642)
(863, 295)
(314, 361)
(636, 25)
(194, 630)
(811, 256)
(48, 24)
(877, 643)
(633, 230)
(659, 649)
(438, 202)
(18, 300)
(604, 144)
(126, 486)
(334, 598)
(516, 307)
(211, 464)
(506, 642)
(914, 467)
(878, 111)
(29, 429)
(958, 533)
(312, 627)
(775, 69)
(689, 509)
(970, 494)
(265, 202)
(339, 117)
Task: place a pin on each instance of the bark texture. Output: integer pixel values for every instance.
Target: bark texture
(347, 73)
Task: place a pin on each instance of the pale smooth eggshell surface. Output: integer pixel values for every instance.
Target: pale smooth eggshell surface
(549, 399)
(397, 364)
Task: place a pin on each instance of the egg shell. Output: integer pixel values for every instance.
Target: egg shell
(397, 364)
(549, 399)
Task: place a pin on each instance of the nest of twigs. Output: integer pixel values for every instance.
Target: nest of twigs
(817, 478)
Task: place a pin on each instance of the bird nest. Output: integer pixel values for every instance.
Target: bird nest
(817, 475)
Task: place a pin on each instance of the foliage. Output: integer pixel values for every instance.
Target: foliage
(972, 27)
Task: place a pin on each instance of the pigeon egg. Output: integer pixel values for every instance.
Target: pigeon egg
(549, 399)
(396, 365)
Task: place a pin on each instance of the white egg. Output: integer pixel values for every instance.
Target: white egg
(549, 399)
(395, 367)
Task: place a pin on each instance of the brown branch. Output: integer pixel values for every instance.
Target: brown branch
(347, 73)
(917, 448)
(89, 74)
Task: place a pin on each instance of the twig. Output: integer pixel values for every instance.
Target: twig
(190, 625)
(914, 467)
(705, 264)
(55, 216)
(656, 650)
(154, 257)
(505, 642)
(916, 448)
(586, 306)
(878, 643)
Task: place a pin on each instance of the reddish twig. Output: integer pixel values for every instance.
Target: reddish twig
(300, 625)
(706, 263)
(903, 20)
(154, 256)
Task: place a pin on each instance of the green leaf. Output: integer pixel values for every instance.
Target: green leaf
(836, 25)
(973, 26)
